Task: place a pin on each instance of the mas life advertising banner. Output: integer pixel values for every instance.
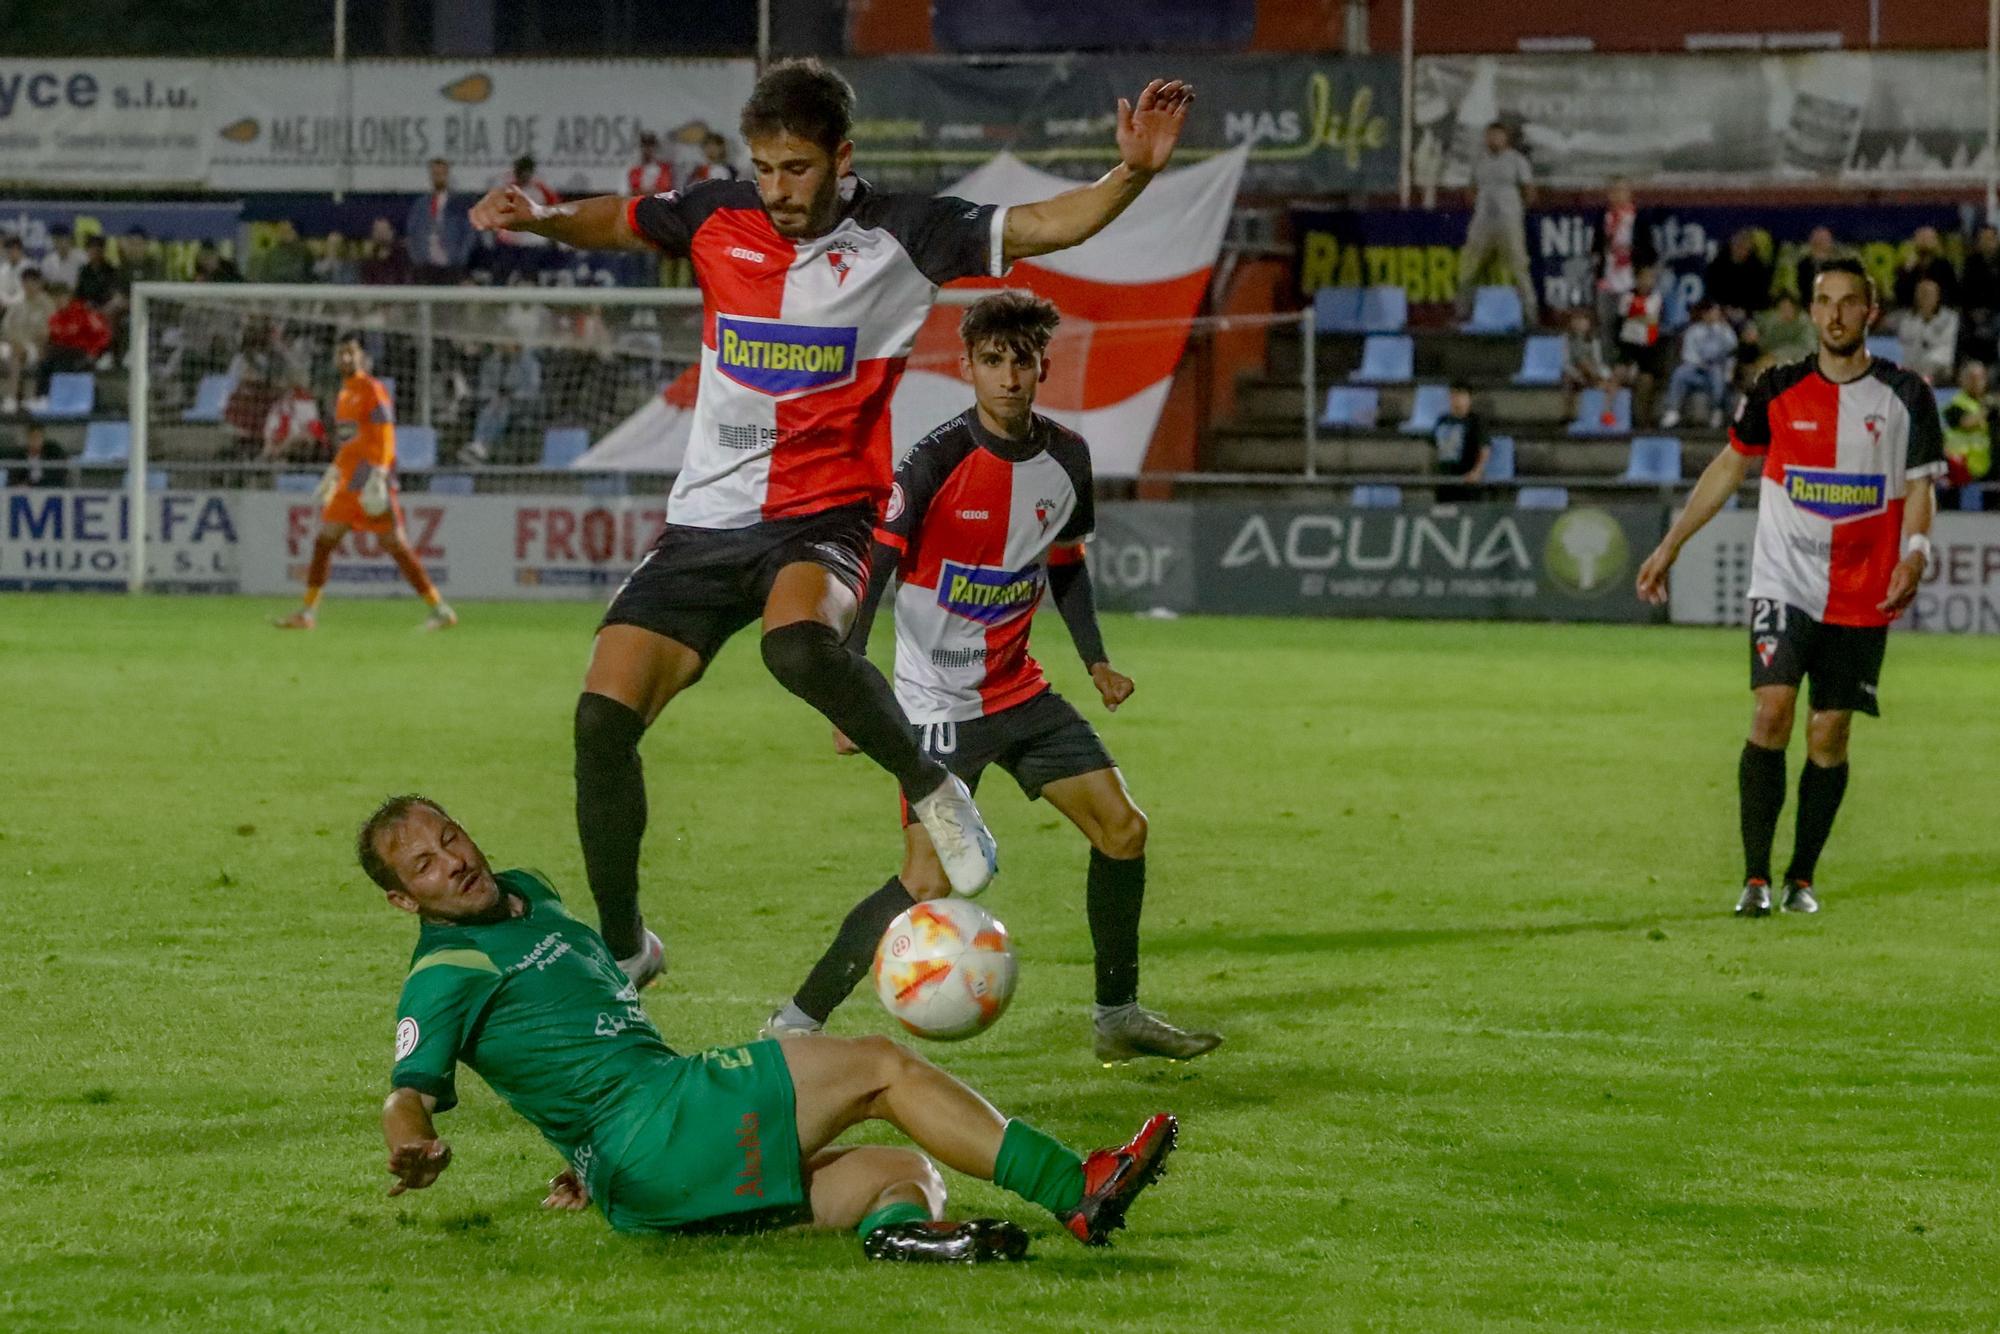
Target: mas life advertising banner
(1856, 118)
(1417, 249)
(1312, 124)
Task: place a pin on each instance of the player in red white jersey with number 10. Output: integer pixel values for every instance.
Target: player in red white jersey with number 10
(1848, 448)
(814, 287)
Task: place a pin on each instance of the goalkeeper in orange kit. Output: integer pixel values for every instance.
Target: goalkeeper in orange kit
(359, 489)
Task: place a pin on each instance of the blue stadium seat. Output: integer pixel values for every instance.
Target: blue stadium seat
(1500, 459)
(295, 481)
(1654, 458)
(1597, 416)
(1542, 498)
(604, 485)
(1495, 310)
(1386, 359)
(1352, 409)
(416, 448)
(211, 396)
(1384, 309)
(564, 445)
(1972, 500)
(106, 442)
(1885, 347)
(1944, 393)
(1378, 497)
(389, 383)
(1432, 401)
(451, 484)
(1337, 310)
(1541, 360)
(71, 394)
(157, 480)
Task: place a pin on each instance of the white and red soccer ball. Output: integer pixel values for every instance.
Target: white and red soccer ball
(945, 969)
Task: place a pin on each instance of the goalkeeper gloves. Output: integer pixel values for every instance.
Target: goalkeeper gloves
(375, 493)
(329, 486)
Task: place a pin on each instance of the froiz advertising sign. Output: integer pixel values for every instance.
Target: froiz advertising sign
(1472, 561)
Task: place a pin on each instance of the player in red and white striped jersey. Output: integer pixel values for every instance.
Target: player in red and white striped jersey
(1848, 448)
(988, 510)
(814, 287)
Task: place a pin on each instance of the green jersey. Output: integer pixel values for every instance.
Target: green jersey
(537, 1005)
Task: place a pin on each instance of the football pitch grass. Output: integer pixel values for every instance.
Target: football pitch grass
(1498, 1055)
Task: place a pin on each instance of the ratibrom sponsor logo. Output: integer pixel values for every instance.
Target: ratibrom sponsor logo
(1836, 495)
(782, 359)
(1378, 543)
(407, 1034)
(988, 594)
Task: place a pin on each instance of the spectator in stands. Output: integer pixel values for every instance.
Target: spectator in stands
(287, 259)
(1708, 356)
(1462, 449)
(1739, 280)
(1979, 296)
(715, 163)
(1637, 352)
(1785, 332)
(1584, 366)
(652, 174)
(212, 266)
(1503, 188)
(1926, 263)
(24, 329)
(1970, 419)
(1929, 335)
(510, 380)
(142, 261)
(260, 373)
(335, 261)
(13, 261)
(438, 232)
(1623, 249)
(63, 261)
(293, 430)
(383, 263)
(1820, 247)
(38, 461)
(523, 252)
(99, 281)
(79, 337)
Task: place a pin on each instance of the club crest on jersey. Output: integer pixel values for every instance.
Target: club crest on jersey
(986, 593)
(781, 359)
(1045, 510)
(1836, 495)
(1767, 649)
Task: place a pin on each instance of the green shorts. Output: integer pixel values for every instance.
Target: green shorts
(714, 1144)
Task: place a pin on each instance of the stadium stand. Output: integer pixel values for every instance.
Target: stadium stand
(1385, 359)
(1495, 310)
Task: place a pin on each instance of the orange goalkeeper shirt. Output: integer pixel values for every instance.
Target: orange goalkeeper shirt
(364, 421)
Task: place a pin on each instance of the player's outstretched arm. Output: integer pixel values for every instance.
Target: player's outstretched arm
(1718, 483)
(1147, 133)
(598, 223)
(417, 1157)
(1069, 585)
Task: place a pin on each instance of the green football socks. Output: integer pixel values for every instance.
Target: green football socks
(1039, 1169)
(889, 1214)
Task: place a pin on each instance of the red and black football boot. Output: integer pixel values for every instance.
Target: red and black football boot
(1113, 1178)
(974, 1241)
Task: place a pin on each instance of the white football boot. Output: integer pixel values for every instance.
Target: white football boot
(964, 844)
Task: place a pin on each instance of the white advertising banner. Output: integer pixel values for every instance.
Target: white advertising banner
(57, 539)
(104, 122)
(526, 548)
(297, 125)
(1960, 593)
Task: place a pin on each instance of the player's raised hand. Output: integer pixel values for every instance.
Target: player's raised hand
(1652, 582)
(1903, 581)
(503, 208)
(566, 1191)
(417, 1164)
(1149, 128)
(842, 745)
(1113, 686)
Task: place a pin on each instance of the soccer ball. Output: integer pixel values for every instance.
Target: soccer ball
(945, 969)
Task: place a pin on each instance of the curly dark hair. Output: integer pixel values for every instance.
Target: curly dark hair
(801, 97)
(386, 817)
(1021, 322)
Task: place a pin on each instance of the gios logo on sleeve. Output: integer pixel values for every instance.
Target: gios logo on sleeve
(986, 594)
(1837, 495)
(781, 359)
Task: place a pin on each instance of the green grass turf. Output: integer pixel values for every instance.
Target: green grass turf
(1498, 1055)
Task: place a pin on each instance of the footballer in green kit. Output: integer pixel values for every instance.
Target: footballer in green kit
(504, 981)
